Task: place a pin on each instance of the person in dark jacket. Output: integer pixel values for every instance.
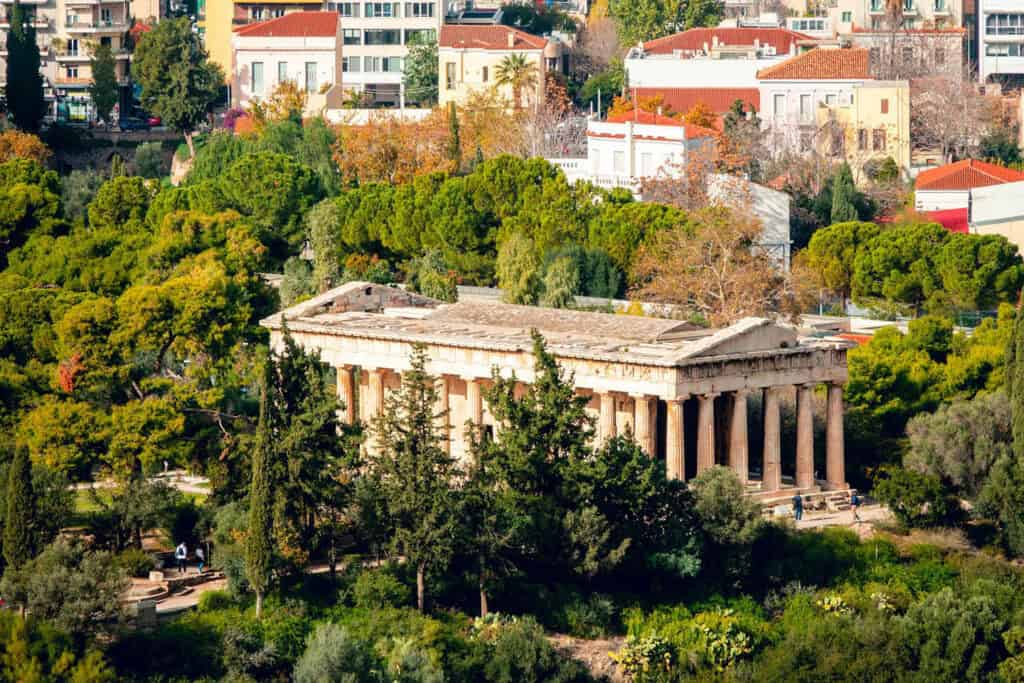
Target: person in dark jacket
(798, 507)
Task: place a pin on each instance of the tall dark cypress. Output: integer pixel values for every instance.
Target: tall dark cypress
(1015, 382)
(258, 540)
(454, 143)
(18, 526)
(25, 101)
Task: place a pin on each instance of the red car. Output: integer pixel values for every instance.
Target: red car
(153, 121)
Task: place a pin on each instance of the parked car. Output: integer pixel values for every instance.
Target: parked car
(154, 121)
(130, 124)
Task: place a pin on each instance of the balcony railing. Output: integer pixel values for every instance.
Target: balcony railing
(97, 26)
(1004, 30)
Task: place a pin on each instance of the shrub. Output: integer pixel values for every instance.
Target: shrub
(379, 588)
(136, 562)
(149, 160)
(645, 659)
(521, 653)
(332, 654)
(917, 500)
(595, 617)
(210, 601)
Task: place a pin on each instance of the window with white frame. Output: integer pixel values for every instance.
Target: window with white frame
(345, 9)
(351, 36)
(381, 36)
(282, 72)
(381, 9)
(257, 78)
(619, 161)
(805, 107)
(779, 105)
(311, 79)
(420, 36)
(351, 64)
(419, 10)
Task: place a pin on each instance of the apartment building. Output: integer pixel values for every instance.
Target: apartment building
(1000, 38)
(67, 32)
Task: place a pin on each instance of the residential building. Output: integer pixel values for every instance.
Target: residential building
(998, 210)
(1000, 38)
(911, 53)
(652, 379)
(826, 99)
(712, 66)
(217, 19)
(301, 47)
(469, 58)
(629, 149)
(953, 186)
(65, 33)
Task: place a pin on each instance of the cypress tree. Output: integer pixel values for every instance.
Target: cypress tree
(25, 101)
(103, 90)
(843, 192)
(1015, 382)
(258, 540)
(454, 144)
(18, 532)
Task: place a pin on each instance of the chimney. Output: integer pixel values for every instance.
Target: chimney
(511, 40)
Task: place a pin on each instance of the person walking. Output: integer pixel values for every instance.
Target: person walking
(181, 555)
(200, 557)
(798, 507)
(855, 506)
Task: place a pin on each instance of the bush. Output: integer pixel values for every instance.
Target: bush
(215, 600)
(332, 654)
(136, 562)
(149, 160)
(521, 652)
(378, 588)
(595, 617)
(917, 500)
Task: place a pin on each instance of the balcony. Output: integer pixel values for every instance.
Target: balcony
(941, 9)
(24, 2)
(39, 23)
(876, 8)
(910, 9)
(79, 57)
(113, 26)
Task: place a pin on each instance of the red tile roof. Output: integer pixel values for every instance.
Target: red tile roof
(822, 64)
(492, 37)
(719, 100)
(294, 25)
(965, 175)
(695, 39)
(954, 220)
(652, 119)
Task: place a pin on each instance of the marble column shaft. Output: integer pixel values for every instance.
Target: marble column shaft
(771, 478)
(738, 439)
(642, 423)
(346, 393)
(805, 435)
(706, 432)
(675, 439)
(835, 465)
(607, 424)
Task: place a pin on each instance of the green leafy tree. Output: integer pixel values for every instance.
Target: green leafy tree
(429, 275)
(333, 654)
(730, 520)
(24, 83)
(517, 73)
(416, 474)
(832, 253)
(978, 272)
(897, 267)
(149, 160)
(77, 191)
(700, 13)
(259, 541)
(179, 83)
(561, 283)
(420, 72)
(917, 500)
(19, 522)
(103, 89)
(297, 282)
(843, 191)
(641, 20)
(323, 225)
(518, 268)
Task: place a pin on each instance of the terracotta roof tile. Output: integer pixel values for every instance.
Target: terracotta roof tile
(719, 100)
(822, 64)
(695, 39)
(489, 38)
(294, 25)
(652, 119)
(965, 175)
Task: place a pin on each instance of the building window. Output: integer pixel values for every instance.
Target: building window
(837, 146)
(878, 140)
(805, 107)
(351, 36)
(940, 5)
(1003, 50)
(420, 36)
(940, 57)
(72, 72)
(311, 85)
(277, 12)
(380, 36)
(847, 17)
(350, 64)
(830, 100)
(257, 78)
(346, 9)
(382, 9)
(484, 74)
(779, 105)
(908, 5)
(885, 105)
(282, 72)
(862, 139)
(805, 141)
(417, 10)
(449, 75)
(877, 5)
(256, 14)
(106, 42)
(106, 18)
(908, 55)
(73, 47)
(382, 64)
(619, 161)
(646, 164)
(70, 20)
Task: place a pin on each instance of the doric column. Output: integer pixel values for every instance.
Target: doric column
(706, 432)
(835, 465)
(642, 423)
(375, 384)
(443, 411)
(805, 435)
(346, 393)
(771, 477)
(474, 403)
(738, 446)
(675, 442)
(607, 424)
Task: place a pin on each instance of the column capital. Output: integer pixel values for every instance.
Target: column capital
(682, 398)
(642, 396)
(709, 394)
(742, 391)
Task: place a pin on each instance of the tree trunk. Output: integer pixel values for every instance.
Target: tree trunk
(419, 587)
(191, 145)
(259, 604)
(483, 599)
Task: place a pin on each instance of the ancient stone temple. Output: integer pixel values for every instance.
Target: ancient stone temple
(680, 390)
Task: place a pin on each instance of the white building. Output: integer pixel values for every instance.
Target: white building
(302, 47)
(998, 210)
(1000, 38)
(954, 186)
(626, 150)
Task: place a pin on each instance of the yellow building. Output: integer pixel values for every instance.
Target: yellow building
(870, 126)
(469, 57)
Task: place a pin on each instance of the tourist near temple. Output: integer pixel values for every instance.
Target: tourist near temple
(680, 390)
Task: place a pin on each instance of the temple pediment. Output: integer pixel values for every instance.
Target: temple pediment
(748, 335)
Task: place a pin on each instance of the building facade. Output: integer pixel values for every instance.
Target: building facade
(469, 57)
(681, 392)
(952, 186)
(301, 47)
(1000, 38)
(67, 32)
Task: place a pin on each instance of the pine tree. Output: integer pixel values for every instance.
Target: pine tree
(258, 540)
(843, 193)
(24, 89)
(18, 525)
(416, 474)
(454, 145)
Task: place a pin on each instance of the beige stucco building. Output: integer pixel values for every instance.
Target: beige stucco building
(680, 391)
